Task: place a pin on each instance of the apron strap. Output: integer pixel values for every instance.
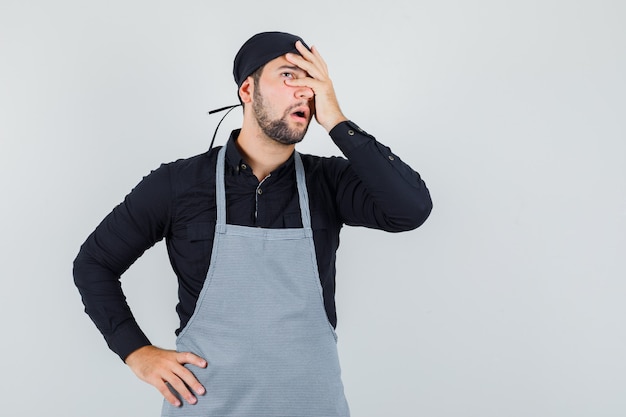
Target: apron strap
(302, 191)
(220, 190)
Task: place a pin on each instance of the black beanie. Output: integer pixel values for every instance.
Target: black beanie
(261, 49)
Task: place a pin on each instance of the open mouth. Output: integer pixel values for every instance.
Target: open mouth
(299, 115)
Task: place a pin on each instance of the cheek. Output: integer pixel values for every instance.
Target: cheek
(276, 96)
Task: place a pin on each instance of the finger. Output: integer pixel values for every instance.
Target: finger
(189, 379)
(313, 55)
(167, 394)
(179, 386)
(304, 51)
(311, 69)
(309, 61)
(190, 358)
(307, 82)
(317, 54)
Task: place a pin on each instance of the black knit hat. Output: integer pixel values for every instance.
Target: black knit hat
(261, 49)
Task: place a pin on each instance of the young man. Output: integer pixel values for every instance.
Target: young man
(252, 229)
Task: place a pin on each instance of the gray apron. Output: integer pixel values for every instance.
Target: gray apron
(261, 325)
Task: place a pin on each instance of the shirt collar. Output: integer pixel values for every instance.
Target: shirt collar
(234, 159)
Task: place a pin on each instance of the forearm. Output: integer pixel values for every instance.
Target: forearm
(105, 303)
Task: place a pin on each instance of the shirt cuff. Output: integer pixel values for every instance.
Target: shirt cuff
(126, 339)
(349, 136)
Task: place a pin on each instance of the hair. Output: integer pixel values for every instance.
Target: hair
(256, 75)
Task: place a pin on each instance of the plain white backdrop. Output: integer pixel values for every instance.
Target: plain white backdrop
(508, 301)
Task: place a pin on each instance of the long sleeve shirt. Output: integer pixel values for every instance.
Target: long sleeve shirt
(370, 187)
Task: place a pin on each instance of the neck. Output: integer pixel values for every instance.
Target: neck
(262, 153)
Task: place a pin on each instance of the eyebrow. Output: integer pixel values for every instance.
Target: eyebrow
(290, 67)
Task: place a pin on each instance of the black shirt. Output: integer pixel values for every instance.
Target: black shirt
(372, 188)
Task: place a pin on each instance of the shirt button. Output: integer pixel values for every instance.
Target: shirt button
(351, 132)
(244, 166)
(391, 158)
(259, 191)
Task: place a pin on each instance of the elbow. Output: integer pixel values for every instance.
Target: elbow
(86, 270)
(422, 206)
(76, 269)
(415, 211)
(422, 213)
(82, 274)
(418, 216)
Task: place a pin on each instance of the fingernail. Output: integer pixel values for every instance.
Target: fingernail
(200, 390)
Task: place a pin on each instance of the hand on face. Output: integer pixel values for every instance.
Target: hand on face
(327, 111)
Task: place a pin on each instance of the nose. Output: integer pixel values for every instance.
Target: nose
(305, 93)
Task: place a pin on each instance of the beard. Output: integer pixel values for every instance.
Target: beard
(276, 129)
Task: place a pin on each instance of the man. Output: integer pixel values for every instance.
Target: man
(252, 229)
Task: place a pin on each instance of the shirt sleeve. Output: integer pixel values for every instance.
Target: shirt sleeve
(376, 188)
(120, 239)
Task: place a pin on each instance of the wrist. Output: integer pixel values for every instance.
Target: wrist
(333, 122)
(136, 353)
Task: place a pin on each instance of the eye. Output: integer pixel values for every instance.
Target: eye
(288, 75)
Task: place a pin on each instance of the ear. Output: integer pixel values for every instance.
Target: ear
(246, 90)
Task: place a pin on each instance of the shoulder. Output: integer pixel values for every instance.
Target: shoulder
(185, 165)
(189, 172)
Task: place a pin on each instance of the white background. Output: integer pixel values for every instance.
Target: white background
(508, 301)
